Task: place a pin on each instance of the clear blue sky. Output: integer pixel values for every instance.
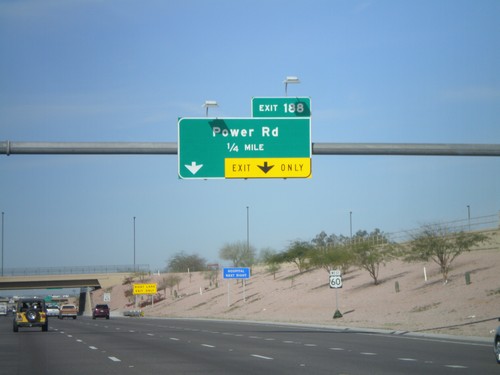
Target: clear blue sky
(376, 71)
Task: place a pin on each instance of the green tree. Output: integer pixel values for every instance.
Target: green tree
(238, 253)
(267, 256)
(182, 262)
(170, 281)
(370, 250)
(331, 252)
(439, 244)
(212, 275)
(298, 253)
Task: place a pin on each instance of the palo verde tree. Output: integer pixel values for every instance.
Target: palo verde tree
(170, 281)
(439, 244)
(239, 253)
(331, 252)
(298, 253)
(370, 250)
(267, 256)
(182, 262)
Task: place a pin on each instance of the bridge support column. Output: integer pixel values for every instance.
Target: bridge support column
(85, 302)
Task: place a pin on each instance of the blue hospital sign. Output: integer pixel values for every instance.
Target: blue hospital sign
(236, 273)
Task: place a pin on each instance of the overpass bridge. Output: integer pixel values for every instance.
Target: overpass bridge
(95, 281)
(83, 277)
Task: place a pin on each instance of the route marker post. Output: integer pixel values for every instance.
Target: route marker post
(336, 283)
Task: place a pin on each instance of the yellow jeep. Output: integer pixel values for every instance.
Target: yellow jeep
(30, 312)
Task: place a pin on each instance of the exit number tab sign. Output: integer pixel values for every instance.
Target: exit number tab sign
(281, 107)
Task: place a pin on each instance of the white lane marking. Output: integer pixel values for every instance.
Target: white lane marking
(254, 337)
(270, 339)
(151, 334)
(70, 335)
(455, 366)
(288, 342)
(174, 339)
(310, 345)
(114, 359)
(367, 353)
(337, 349)
(260, 356)
(131, 331)
(407, 359)
(92, 347)
(207, 346)
(78, 340)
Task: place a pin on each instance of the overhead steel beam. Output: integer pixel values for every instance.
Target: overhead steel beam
(88, 148)
(171, 148)
(408, 149)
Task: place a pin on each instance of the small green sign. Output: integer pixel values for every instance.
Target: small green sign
(281, 107)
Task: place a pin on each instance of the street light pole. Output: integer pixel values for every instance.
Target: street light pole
(289, 80)
(134, 244)
(350, 223)
(248, 229)
(468, 215)
(208, 104)
(2, 240)
(248, 251)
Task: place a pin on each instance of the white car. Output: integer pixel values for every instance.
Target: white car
(496, 344)
(52, 310)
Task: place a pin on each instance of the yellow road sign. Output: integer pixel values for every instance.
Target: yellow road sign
(267, 168)
(145, 289)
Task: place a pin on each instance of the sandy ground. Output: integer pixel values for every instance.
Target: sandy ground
(430, 306)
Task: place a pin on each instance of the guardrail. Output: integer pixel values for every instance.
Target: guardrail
(478, 223)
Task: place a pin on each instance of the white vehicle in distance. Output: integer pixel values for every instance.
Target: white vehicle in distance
(52, 310)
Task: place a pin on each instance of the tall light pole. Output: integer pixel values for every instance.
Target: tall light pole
(208, 104)
(134, 244)
(468, 215)
(248, 229)
(2, 240)
(350, 223)
(288, 80)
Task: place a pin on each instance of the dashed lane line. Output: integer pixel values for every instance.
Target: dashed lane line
(261, 356)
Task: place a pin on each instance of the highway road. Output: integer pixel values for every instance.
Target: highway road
(177, 346)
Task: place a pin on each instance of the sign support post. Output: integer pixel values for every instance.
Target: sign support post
(336, 283)
(236, 273)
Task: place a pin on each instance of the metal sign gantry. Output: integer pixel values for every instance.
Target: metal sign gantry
(170, 148)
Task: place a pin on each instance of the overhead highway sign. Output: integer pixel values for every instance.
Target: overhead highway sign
(281, 107)
(225, 147)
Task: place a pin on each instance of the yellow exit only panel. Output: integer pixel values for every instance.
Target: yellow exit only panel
(267, 168)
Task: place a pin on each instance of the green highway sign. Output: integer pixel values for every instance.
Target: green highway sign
(279, 144)
(281, 107)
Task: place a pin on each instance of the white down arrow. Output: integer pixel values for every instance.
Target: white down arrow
(193, 168)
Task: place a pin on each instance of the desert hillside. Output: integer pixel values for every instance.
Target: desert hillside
(457, 307)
